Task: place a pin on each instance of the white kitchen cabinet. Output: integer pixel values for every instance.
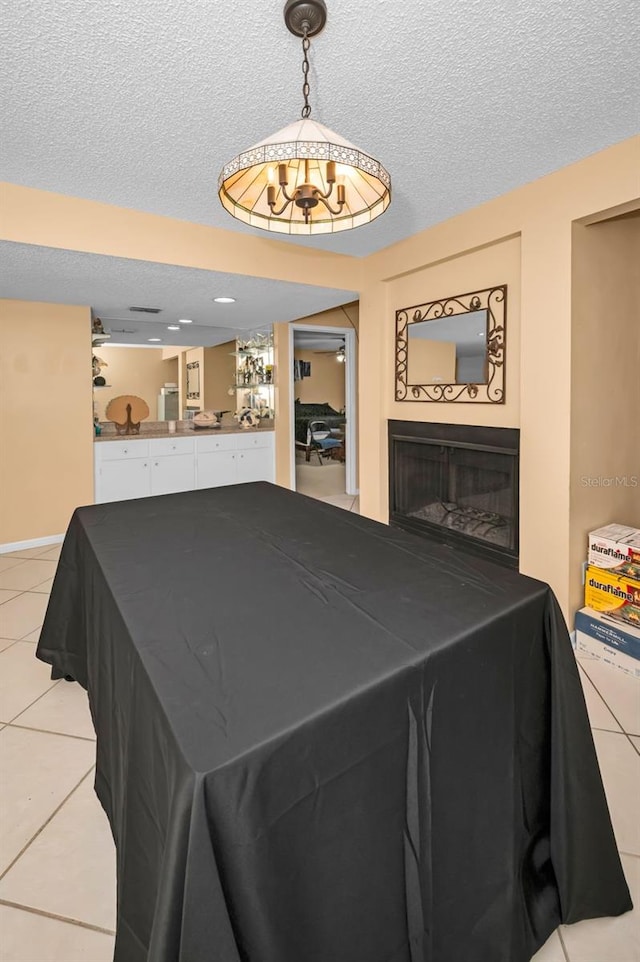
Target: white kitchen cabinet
(138, 468)
(120, 480)
(216, 468)
(172, 474)
(254, 464)
(235, 459)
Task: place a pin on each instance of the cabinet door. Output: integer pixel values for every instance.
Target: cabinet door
(172, 474)
(255, 465)
(216, 468)
(122, 480)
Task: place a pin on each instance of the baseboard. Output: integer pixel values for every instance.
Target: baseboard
(32, 543)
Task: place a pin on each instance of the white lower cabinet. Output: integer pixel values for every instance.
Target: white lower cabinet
(254, 465)
(121, 480)
(138, 468)
(172, 474)
(216, 468)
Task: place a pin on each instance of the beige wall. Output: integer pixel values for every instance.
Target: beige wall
(46, 427)
(605, 383)
(133, 370)
(327, 381)
(219, 375)
(524, 239)
(431, 362)
(172, 370)
(469, 270)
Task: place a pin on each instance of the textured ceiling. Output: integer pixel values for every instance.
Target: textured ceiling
(139, 104)
(111, 285)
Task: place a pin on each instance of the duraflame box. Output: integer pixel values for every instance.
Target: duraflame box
(615, 548)
(616, 595)
(599, 638)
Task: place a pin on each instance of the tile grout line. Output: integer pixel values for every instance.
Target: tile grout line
(57, 918)
(31, 704)
(46, 731)
(14, 641)
(45, 823)
(564, 948)
(609, 731)
(632, 743)
(623, 729)
(34, 557)
(612, 731)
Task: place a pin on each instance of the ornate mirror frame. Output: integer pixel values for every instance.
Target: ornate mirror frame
(193, 381)
(494, 301)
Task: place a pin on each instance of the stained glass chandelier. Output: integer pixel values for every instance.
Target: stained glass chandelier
(305, 179)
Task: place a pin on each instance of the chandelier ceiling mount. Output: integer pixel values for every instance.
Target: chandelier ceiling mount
(305, 17)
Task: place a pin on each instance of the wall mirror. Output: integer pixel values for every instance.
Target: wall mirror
(193, 381)
(453, 349)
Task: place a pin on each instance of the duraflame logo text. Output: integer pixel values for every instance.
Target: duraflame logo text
(629, 593)
(610, 552)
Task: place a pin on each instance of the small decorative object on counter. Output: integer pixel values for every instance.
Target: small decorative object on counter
(247, 418)
(205, 419)
(127, 411)
(171, 425)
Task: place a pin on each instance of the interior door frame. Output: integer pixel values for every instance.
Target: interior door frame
(350, 401)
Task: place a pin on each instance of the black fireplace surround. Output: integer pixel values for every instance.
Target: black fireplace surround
(457, 483)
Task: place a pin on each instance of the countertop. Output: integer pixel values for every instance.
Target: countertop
(153, 433)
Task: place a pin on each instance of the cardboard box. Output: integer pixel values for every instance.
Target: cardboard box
(615, 548)
(586, 645)
(600, 637)
(607, 631)
(617, 595)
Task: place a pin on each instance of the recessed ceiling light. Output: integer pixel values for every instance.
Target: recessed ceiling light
(173, 327)
(185, 320)
(154, 338)
(224, 300)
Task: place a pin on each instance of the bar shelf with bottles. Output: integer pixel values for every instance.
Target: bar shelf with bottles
(254, 381)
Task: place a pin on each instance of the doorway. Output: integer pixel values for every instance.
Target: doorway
(323, 400)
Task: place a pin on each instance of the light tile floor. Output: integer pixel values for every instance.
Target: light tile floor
(320, 480)
(57, 863)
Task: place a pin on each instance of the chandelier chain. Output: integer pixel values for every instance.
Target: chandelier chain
(306, 43)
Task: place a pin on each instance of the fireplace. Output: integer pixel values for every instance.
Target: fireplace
(458, 484)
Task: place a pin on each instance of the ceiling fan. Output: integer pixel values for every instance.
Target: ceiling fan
(339, 353)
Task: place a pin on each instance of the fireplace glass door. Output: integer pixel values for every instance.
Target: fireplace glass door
(469, 492)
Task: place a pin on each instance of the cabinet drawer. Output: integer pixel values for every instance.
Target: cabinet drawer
(212, 443)
(119, 450)
(160, 447)
(257, 440)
